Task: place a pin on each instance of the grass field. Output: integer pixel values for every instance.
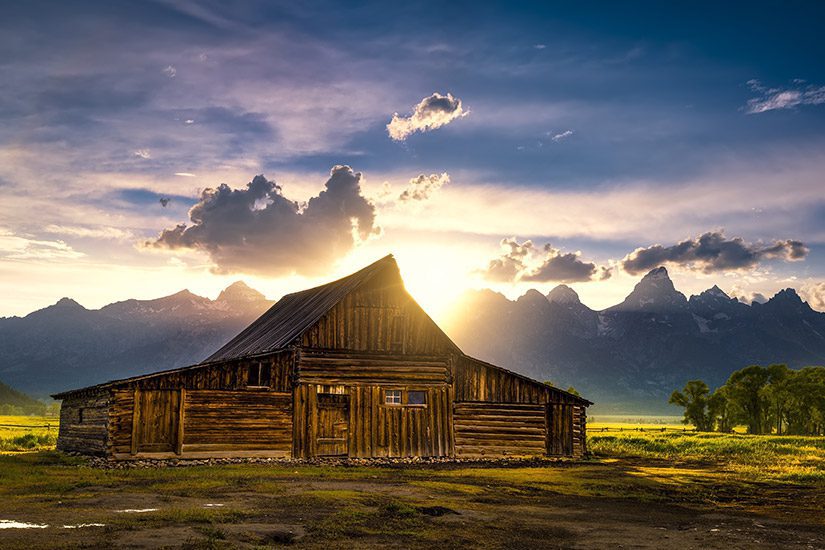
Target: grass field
(654, 490)
(27, 433)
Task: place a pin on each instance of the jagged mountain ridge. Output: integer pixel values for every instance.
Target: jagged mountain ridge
(629, 357)
(66, 345)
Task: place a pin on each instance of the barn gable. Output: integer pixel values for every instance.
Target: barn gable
(369, 310)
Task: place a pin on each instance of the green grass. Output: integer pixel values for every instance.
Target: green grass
(788, 458)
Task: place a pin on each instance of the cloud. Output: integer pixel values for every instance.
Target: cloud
(170, 71)
(711, 252)
(258, 230)
(423, 186)
(748, 299)
(432, 112)
(770, 99)
(814, 294)
(21, 247)
(524, 262)
(185, 174)
(564, 135)
(143, 153)
(99, 232)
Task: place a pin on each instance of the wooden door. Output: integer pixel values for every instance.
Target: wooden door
(332, 428)
(559, 429)
(156, 421)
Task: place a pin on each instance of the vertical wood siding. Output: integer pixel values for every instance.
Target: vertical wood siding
(374, 428)
(380, 316)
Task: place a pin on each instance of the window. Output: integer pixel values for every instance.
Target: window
(392, 397)
(258, 375)
(416, 398)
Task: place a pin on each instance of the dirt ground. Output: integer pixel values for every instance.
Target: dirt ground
(602, 504)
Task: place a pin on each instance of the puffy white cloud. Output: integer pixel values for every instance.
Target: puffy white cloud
(170, 71)
(258, 230)
(432, 112)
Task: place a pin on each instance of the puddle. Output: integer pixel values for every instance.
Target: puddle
(136, 510)
(82, 525)
(11, 524)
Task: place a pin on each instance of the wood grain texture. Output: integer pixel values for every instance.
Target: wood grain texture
(485, 429)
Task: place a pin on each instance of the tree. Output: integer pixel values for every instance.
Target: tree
(722, 410)
(745, 391)
(694, 398)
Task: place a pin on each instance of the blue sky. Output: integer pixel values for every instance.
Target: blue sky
(595, 128)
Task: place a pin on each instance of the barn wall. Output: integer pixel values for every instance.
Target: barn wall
(376, 429)
(89, 436)
(237, 421)
(231, 375)
(475, 380)
(484, 429)
(381, 317)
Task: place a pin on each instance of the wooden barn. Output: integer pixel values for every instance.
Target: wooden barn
(352, 368)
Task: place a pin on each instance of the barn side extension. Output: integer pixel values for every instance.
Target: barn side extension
(353, 368)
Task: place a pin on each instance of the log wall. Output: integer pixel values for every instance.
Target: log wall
(332, 367)
(87, 435)
(499, 429)
(215, 423)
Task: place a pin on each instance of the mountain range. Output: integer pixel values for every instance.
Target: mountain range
(67, 346)
(627, 358)
(631, 356)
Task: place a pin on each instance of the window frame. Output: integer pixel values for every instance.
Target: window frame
(394, 403)
(404, 397)
(261, 367)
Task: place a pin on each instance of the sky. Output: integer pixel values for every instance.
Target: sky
(147, 147)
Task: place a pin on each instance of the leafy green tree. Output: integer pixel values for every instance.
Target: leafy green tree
(722, 410)
(745, 391)
(694, 398)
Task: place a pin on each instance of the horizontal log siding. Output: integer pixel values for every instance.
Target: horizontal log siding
(499, 429)
(237, 421)
(91, 435)
(315, 367)
(380, 317)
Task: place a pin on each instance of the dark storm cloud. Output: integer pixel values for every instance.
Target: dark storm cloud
(712, 251)
(258, 230)
(555, 266)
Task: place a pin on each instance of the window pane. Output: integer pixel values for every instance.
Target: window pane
(254, 376)
(392, 397)
(416, 398)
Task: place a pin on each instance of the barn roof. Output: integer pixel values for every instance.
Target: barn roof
(295, 313)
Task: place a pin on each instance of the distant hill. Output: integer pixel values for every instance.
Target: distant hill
(630, 357)
(67, 346)
(12, 399)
